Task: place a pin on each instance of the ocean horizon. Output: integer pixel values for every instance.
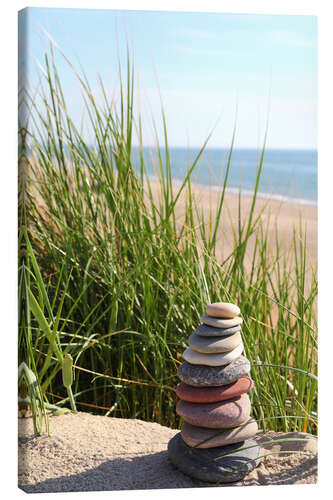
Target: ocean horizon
(288, 175)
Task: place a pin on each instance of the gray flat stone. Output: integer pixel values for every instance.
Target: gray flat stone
(221, 323)
(203, 463)
(210, 376)
(203, 437)
(210, 331)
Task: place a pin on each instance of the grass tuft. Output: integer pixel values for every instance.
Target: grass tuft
(115, 275)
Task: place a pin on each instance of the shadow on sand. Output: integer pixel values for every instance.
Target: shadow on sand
(151, 472)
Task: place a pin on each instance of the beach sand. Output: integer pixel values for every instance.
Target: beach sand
(93, 453)
(285, 215)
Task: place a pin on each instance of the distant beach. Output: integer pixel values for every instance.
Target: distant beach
(284, 213)
(287, 175)
(287, 191)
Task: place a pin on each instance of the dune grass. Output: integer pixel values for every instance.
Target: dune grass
(110, 273)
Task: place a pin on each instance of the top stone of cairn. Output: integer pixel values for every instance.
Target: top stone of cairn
(222, 310)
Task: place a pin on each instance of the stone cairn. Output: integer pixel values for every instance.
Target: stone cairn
(214, 403)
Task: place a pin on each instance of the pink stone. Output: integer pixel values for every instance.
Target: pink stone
(221, 415)
(193, 394)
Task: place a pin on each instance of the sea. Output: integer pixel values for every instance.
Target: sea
(287, 175)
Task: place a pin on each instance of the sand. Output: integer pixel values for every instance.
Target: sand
(284, 214)
(93, 453)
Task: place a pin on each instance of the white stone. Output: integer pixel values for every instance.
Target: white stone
(218, 359)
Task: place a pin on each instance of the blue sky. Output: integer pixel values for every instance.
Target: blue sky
(203, 63)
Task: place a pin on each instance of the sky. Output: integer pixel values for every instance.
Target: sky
(204, 67)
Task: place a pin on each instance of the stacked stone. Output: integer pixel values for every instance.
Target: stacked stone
(214, 403)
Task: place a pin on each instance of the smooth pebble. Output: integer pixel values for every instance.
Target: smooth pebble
(222, 310)
(214, 344)
(208, 465)
(193, 394)
(221, 415)
(221, 323)
(203, 437)
(208, 376)
(210, 331)
(217, 359)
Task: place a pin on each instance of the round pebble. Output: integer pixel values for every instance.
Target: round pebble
(208, 376)
(221, 415)
(222, 310)
(214, 394)
(202, 437)
(217, 359)
(210, 331)
(221, 323)
(214, 344)
(208, 465)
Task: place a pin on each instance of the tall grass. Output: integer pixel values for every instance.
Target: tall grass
(115, 274)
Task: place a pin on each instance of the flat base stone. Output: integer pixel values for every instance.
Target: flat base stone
(202, 463)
